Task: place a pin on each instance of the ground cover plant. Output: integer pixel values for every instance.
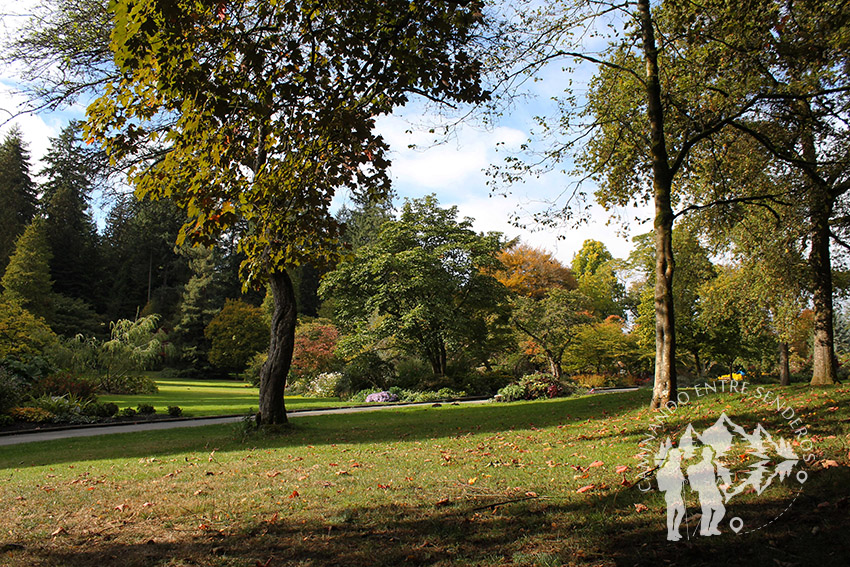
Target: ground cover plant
(532, 483)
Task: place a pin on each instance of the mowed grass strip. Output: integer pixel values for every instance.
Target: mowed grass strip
(211, 397)
(537, 483)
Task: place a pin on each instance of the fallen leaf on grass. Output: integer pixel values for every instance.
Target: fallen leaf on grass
(827, 463)
(621, 469)
(586, 488)
(443, 502)
(294, 494)
(641, 507)
(472, 480)
(595, 464)
(59, 531)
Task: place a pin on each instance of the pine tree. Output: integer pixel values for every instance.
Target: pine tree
(71, 232)
(27, 278)
(18, 201)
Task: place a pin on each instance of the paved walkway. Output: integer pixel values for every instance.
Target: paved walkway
(90, 431)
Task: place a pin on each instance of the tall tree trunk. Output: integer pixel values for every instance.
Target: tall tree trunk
(665, 335)
(275, 370)
(824, 370)
(784, 365)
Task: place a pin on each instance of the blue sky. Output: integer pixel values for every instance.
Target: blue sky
(453, 170)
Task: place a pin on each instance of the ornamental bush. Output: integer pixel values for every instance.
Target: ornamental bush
(31, 415)
(315, 343)
(325, 385)
(236, 334)
(61, 383)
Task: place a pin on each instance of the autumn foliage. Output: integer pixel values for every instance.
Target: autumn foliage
(315, 343)
(532, 272)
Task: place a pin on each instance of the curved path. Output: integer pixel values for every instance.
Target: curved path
(92, 430)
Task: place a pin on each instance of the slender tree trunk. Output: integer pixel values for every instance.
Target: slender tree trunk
(275, 370)
(784, 365)
(665, 335)
(554, 366)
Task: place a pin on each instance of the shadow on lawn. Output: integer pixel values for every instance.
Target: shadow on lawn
(591, 531)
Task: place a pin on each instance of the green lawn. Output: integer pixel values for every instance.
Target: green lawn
(534, 483)
(210, 397)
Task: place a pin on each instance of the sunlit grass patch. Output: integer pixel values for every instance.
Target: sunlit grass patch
(535, 483)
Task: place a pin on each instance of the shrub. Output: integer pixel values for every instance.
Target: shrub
(367, 370)
(253, 368)
(11, 390)
(325, 385)
(6, 420)
(538, 386)
(127, 412)
(31, 415)
(427, 396)
(590, 380)
(62, 383)
(145, 409)
(175, 411)
(360, 397)
(511, 393)
(65, 409)
(22, 335)
(448, 393)
(236, 334)
(27, 371)
(133, 385)
(414, 373)
(101, 409)
(315, 343)
(381, 397)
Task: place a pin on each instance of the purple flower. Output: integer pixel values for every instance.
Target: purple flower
(381, 397)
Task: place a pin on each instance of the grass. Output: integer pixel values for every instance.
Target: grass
(210, 397)
(527, 484)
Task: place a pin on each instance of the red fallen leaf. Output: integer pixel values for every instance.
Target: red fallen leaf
(383, 486)
(443, 502)
(266, 564)
(586, 488)
(59, 531)
(621, 469)
(294, 494)
(272, 474)
(827, 463)
(333, 464)
(595, 464)
(641, 507)
(338, 473)
(121, 507)
(625, 482)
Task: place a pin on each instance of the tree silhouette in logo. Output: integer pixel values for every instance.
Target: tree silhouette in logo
(708, 474)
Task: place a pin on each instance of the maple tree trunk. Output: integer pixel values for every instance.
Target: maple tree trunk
(664, 389)
(282, 341)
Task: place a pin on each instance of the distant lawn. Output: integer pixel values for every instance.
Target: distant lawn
(210, 397)
(529, 484)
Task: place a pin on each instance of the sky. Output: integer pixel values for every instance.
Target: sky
(453, 170)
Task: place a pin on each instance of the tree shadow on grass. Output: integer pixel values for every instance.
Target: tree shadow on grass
(591, 531)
